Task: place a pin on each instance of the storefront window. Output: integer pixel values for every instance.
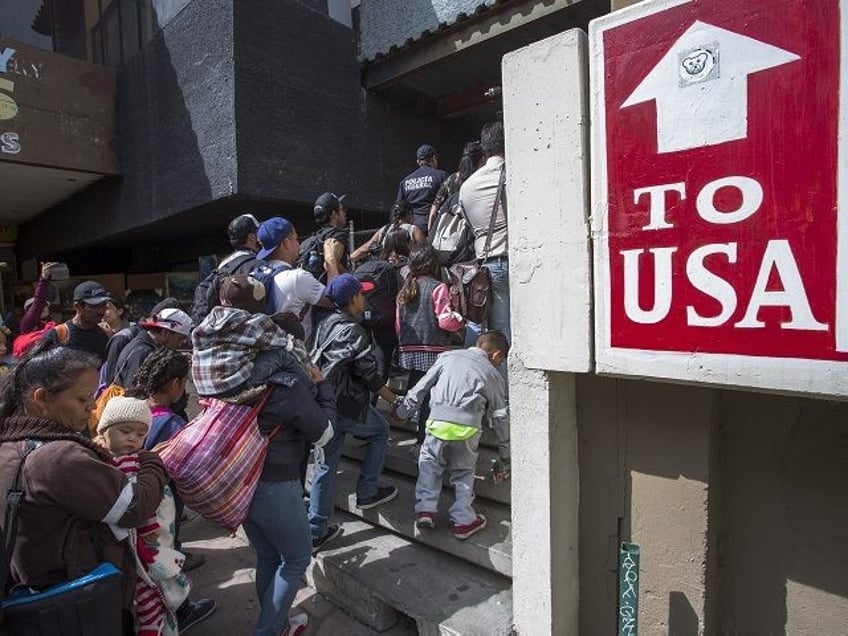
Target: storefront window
(55, 25)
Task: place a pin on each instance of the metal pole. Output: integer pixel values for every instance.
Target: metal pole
(628, 589)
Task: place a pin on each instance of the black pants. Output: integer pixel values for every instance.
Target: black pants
(424, 408)
(384, 343)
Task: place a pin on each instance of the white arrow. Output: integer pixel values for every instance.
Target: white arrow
(701, 86)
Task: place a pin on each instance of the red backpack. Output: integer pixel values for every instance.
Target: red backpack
(23, 342)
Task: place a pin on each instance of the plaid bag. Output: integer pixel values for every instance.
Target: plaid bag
(216, 460)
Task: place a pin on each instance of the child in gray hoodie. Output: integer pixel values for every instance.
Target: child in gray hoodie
(465, 387)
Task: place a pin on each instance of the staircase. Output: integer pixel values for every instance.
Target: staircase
(382, 568)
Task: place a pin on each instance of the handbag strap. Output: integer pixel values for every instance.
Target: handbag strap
(14, 497)
(498, 198)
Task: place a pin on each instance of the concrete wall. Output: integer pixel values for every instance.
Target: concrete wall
(737, 500)
(784, 520)
(176, 135)
(387, 23)
(305, 125)
(645, 459)
(544, 121)
(550, 260)
(232, 105)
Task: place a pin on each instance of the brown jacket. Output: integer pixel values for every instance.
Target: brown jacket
(68, 484)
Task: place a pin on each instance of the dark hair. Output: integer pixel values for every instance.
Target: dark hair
(395, 241)
(45, 366)
(400, 211)
(118, 302)
(423, 261)
(158, 369)
(289, 322)
(240, 228)
(492, 138)
(494, 340)
(166, 303)
(472, 158)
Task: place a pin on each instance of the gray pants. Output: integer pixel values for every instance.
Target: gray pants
(460, 458)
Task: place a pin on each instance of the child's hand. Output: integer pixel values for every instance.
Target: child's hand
(500, 470)
(315, 373)
(400, 411)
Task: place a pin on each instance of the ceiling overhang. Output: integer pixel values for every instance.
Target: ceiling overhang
(457, 68)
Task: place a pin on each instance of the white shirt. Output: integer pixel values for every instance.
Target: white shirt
(477, 195)
(295, 289)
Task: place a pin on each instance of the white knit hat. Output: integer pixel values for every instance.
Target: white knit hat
(124, 409)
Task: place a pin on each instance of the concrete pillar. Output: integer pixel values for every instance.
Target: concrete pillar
(545, 590)
(545, 123)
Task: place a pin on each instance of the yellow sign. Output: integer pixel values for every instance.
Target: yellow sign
(8, 107)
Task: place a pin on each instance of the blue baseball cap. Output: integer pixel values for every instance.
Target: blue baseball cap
(344, 287)
(424, 151)
(271, 233)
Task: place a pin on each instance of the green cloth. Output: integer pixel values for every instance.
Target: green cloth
(450, 432)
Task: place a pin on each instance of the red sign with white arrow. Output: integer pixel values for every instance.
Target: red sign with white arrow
(716, 182)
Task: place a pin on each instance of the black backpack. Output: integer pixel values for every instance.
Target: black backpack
(312, 253)
(452, 235)
(381, 302)
(207, 290)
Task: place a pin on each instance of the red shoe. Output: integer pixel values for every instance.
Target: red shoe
(425, 520)
(297, 625)
(463, 532)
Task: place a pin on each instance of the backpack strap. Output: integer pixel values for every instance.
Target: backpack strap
(14, 497)
(498, 198)
(315, 356)
(234, 265)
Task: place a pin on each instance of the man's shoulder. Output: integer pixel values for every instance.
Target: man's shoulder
(341, 325)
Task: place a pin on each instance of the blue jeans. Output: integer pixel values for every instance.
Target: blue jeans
(375, 431)
(278, 530)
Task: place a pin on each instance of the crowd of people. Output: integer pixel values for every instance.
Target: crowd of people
(306, 334)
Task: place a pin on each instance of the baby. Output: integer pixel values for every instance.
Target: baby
(161, 587)
(244, 346)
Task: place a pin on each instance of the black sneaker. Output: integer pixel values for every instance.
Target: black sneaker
(387, 493)
(191, 613)
(333, 531)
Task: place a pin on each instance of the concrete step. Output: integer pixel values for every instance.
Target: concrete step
(377, 577)
(490, 548)
(400, 460)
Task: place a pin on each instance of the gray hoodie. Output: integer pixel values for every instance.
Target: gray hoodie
(464, 388)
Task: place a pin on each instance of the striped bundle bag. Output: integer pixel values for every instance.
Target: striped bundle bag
(216, 459)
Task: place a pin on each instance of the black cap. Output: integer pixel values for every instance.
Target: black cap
(424, 151)
(325, 205)
(91, 293)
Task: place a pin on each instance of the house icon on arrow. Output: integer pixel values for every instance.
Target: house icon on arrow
(701, 86)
